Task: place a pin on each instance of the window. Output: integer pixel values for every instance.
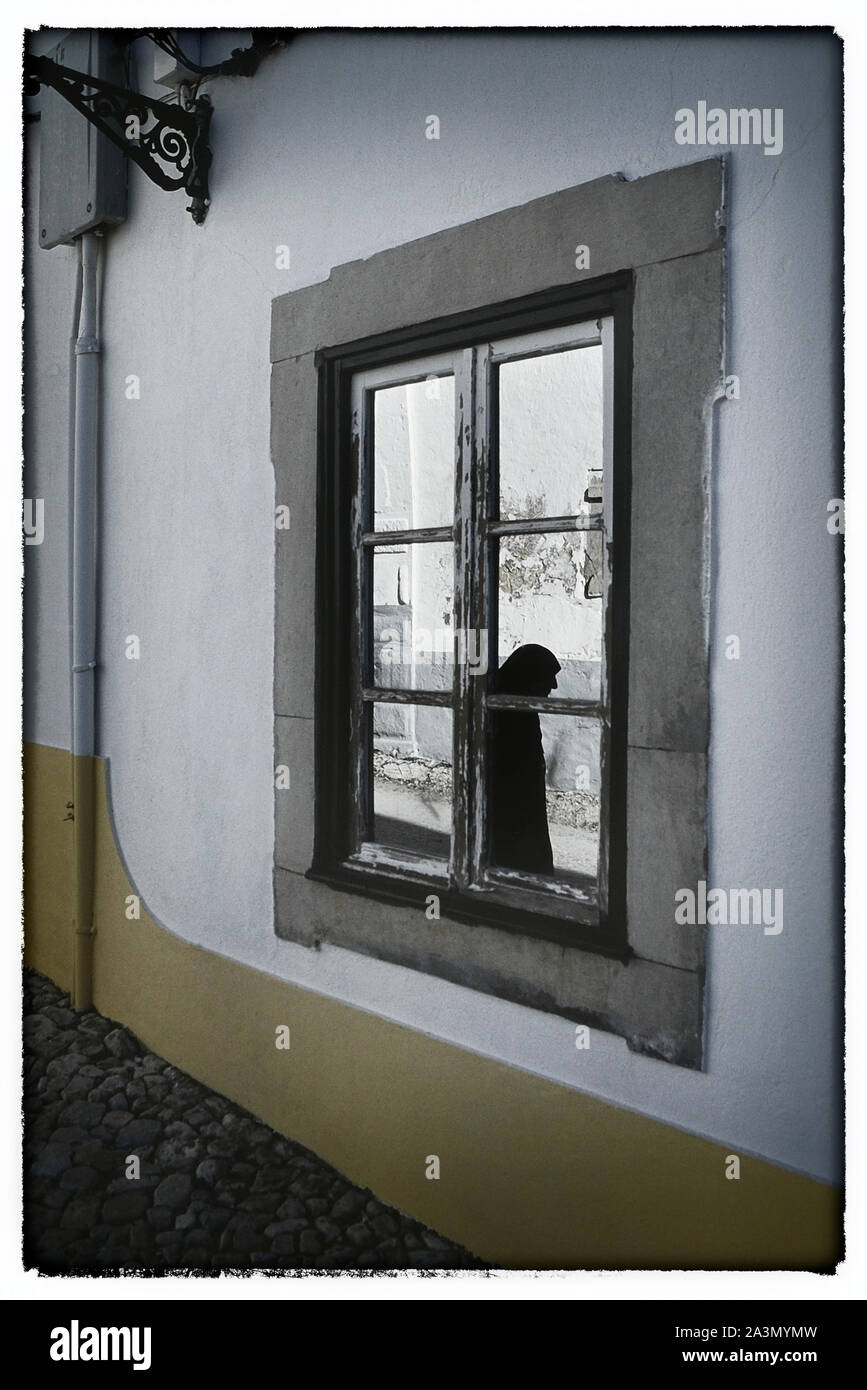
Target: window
(408, 391)
(478, 522)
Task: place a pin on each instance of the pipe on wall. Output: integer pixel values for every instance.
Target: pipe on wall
(85, 472)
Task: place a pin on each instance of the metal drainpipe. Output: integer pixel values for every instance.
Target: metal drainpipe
(84, 552)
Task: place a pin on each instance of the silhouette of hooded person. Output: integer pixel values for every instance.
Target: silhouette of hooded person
(517, 812)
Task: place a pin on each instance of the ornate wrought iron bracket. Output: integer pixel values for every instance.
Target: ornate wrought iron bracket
(168, 142)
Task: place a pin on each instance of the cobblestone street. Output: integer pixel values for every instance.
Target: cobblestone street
(217, 1190)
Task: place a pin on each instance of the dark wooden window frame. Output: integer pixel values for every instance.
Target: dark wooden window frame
(340, 557)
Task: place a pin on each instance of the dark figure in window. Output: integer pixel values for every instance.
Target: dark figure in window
(517, 813)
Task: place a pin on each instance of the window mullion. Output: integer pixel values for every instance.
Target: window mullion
(607, 326)
(482, 607)
(360, 802)
(463, 616)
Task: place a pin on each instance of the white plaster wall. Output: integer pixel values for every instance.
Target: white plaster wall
(48, 324)
(325, 152)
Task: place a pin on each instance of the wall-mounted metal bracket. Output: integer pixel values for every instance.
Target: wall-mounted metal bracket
(169, 143)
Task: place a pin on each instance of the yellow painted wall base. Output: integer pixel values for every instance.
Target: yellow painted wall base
(533, 1175)
(49, 862)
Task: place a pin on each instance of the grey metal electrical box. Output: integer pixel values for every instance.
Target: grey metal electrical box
(82, 175)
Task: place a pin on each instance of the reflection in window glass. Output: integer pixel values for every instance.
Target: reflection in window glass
(414, 455)
(550, 430)
(543, 598)
(412, 778)
(543, 794)
(413, 636)
(571, 747)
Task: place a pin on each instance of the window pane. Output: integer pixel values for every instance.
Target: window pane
(547, 596)
(413, 637)
(414, 455)
(543, 797)
(550, 427)
(571, 748)
(412, 778)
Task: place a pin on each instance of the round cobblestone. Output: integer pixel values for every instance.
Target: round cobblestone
(217, 1190)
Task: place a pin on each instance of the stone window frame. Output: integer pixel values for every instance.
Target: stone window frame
(662, 238)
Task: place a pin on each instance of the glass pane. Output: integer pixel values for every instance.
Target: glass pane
(414, 455)
(550, 595)
(551, 434)
(412, 778)
(543, 808)
(413, 637)
(572, 748)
